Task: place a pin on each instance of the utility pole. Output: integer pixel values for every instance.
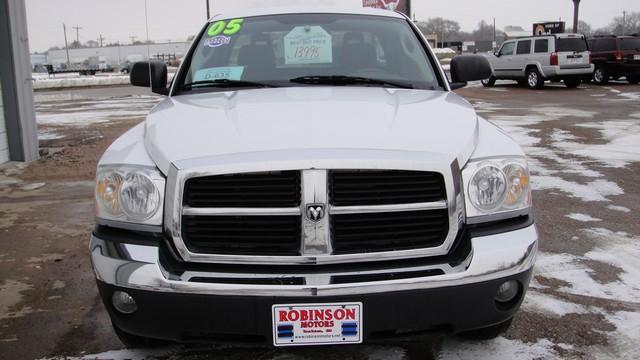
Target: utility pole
(208, 10)
(133, 39)
(78, 28)
(101, 39)
(576, 13)
(495, 40)
(624, 21)
(66, 45)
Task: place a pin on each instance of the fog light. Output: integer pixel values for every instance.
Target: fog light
(124, 303)
(507, 291)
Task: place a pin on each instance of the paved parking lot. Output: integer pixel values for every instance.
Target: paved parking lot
(584, 149)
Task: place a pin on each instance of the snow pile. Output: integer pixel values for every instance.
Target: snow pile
(444, 51)
(583, 218)
(80, 82)
(74, 80)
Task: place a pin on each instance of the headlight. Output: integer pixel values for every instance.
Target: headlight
(130, 194)
(496, 189)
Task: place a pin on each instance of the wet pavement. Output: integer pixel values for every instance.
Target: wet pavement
(584, 154)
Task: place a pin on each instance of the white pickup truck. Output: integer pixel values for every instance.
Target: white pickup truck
(311, 179)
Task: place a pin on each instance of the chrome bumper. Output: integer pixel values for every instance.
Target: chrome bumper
(136, 267)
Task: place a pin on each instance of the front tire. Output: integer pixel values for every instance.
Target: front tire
(490, 82)
(137, 342)
(633, 79)
(534, 79)
(487, 333)
(572, 83)
(600, 76)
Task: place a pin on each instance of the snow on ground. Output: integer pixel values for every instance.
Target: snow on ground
(619, 208)
(623, 139)
(544, 304)
(582, 217)
(623, 144)
(83, 113)
(615, 249)
(498, 349)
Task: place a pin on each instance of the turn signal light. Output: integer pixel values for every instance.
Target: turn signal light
(554, 59)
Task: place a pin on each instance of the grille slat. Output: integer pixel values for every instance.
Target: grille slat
(355, 233)
(384, 187)
(242, 235)
(256, 190)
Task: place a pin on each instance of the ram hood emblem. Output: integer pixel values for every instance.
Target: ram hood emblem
(315, 212)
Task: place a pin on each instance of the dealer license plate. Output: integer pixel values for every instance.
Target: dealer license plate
(636, 57)
(317, 324)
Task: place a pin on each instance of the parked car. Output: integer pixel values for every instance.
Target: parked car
(125, 67)
(615, 57)
(311, 179)
(533, 60)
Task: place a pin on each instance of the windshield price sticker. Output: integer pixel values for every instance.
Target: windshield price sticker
(227, 28)
(317, 324)
(218, 73)
(308, 45)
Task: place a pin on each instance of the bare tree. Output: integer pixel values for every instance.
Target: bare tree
(584, 28)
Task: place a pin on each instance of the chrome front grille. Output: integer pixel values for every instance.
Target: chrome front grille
(358, 216)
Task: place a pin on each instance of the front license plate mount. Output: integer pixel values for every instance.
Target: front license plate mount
(317, 324)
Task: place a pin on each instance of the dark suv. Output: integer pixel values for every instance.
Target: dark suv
(615, 57)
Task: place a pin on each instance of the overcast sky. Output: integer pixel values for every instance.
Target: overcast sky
(117, 20)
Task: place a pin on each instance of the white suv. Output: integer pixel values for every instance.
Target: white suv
(533, 60)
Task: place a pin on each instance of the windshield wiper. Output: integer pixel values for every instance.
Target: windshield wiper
(225, 83)
(348, 80)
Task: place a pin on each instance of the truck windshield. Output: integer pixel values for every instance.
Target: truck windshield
(577, 44)
(627, 44)
(308, 50)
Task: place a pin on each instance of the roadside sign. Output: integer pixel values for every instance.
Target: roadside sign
(548, 28)
(403, 6)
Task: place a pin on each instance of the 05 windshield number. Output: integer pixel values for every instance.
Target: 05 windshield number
(222, 27)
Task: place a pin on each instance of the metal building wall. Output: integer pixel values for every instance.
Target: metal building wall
(4, 144)
(19, 118)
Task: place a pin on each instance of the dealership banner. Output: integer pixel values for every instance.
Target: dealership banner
(403, 6)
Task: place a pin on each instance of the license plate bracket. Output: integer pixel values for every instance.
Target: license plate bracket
(317, 324)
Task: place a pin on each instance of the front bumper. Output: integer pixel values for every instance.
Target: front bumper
(196, 311)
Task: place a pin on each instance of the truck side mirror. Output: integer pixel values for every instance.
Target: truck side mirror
(150, 74)
(465, 68)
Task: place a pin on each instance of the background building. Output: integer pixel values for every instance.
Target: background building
(116, 55)
(18, 132)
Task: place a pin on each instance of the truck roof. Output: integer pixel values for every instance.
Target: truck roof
(350, 10)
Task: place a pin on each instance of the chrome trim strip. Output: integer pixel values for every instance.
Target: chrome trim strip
(240, 211)
(137, 267)
(499, 216)
(130, 226)
(316, 235)
(373, 209)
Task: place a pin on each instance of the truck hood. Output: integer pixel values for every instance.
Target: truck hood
(204, 125)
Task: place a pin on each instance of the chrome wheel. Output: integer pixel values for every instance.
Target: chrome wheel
(533, 79)
(598, 76)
